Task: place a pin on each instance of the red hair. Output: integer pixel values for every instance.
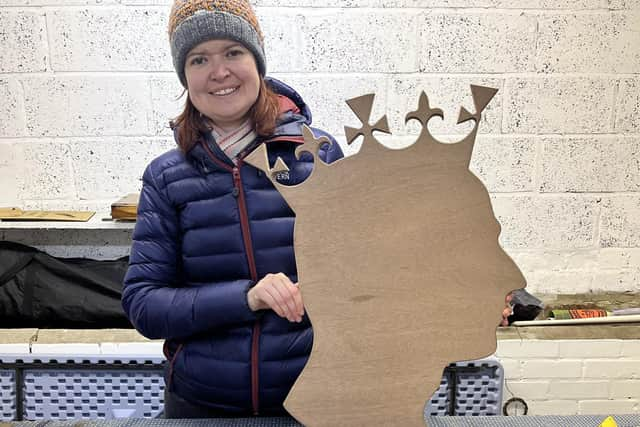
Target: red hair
(191, 124)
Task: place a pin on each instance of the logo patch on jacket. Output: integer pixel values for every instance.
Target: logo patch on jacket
(281, 176)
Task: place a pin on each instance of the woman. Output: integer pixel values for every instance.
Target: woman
(212, 268)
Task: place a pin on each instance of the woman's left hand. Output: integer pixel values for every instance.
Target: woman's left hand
(507, 311)
(278, 293)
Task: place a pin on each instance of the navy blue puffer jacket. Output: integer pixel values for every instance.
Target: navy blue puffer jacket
(207, 230)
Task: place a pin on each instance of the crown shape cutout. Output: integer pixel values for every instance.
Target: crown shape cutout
(399, 266)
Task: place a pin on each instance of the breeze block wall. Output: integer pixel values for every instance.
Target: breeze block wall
(87, 89)
(572, 376)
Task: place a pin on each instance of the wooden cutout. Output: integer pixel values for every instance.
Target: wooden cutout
(17, 214)
(400, 269)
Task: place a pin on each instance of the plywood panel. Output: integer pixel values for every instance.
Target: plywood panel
(400, 271)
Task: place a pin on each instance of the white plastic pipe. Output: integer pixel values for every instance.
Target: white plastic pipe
(591, 320)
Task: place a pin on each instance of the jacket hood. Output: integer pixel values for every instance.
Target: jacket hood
(282, 89)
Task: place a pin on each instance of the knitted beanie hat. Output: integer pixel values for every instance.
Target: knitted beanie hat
(195, 21)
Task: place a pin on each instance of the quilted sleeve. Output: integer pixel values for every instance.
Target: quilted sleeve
(152, 297)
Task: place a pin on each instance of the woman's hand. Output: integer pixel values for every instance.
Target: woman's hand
(507, 311)
(278, 293)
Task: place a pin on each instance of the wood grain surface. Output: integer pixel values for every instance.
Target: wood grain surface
(400, 270)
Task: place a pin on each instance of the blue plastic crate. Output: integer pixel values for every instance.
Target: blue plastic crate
(61, 387)
(478, 389)
(64, 394)
(7, 395)
(101, 394)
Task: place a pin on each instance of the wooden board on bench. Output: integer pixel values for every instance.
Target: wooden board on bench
(17, 214)
(126, 207)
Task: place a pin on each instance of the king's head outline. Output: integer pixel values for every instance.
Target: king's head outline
(406, 277)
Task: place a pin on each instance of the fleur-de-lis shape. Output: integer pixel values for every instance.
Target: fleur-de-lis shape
(311, 143)
(424, 113)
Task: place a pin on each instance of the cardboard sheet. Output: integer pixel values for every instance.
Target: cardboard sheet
(400, 270)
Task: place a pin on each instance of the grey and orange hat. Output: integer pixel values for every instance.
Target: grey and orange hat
(195, 21)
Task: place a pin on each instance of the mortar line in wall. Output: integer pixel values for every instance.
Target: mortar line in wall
(536, 41)
(148, 119)
(461, 75)
(48, 65)
(503, 117)
(80, 6)
(387, 93)
(591, 193)
(418, 40)
(557, 136)
(514, 135)
(72, 170)
(584, 195)
(80, 138)
(537, 169)
(168, 136)
(503, 110)
(318, 9)
(561, 135)
(329, 74)
(616, 93)
(299, 20)
(597, 226)
(455, 10)
(24, 106)
(87, 73)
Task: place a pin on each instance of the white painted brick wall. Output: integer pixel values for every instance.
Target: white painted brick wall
(131, 37)
(607, 164)
(9, 171)
(559, 105)
(87, 90)
(567, 377)
(468, 42)
(551, 368)
(12, 123)
(24, 33)
(93, 105)
(628, 106)
(604, 49)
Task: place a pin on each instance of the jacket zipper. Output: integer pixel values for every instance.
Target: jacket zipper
(171, 363)
(246, 234)
(238, 193)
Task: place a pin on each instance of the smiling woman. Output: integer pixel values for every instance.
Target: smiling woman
(218, 47)
(212, 268)
(223, 82)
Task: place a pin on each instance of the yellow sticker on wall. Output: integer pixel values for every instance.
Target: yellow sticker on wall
(609, 422)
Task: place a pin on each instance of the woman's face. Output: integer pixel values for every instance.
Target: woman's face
(222, 81)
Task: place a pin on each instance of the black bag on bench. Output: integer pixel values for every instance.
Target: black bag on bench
(41, 291)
